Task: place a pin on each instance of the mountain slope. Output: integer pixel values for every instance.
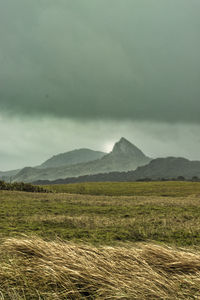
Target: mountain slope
(71, 158)
(6, 175)
(168, 168)
(59, 160)
(124, 156)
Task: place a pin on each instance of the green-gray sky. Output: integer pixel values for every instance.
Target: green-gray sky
(77, 73)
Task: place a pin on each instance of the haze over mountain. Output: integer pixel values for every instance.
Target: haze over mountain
(124, 157)
(60, 160)
(7, 175)
(157, 169)
(170, 167)
(71, 158)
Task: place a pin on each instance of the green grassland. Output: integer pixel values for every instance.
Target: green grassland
(112, 244)
(164, 212)
(154, 188)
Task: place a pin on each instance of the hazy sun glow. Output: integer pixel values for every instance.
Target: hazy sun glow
(108, 147)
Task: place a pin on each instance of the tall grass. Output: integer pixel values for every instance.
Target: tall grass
(35, 269)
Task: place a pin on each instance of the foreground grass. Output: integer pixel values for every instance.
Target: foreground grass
(35, 269)
(100, 247)
(164, 188)
(101, 220)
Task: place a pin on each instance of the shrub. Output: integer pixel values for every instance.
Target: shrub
(21, 186)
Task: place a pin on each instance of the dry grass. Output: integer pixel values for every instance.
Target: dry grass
(36, 269)
(32, 268)
(83, 221)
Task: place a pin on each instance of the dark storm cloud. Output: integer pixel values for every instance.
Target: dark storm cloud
(100, 59)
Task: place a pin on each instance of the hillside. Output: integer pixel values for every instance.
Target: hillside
(6, 175)
(157, 169)
(170, 167)
(124, 157)
(71, 158)
(59, 160)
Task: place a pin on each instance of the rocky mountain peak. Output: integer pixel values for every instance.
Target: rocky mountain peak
(124, 147)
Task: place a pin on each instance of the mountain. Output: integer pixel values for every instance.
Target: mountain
(170, 167)
(124, 157)
(157, 169)
(71, 158)
(7, 175)
(59, 160)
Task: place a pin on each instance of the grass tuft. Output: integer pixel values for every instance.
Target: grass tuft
(32, 268)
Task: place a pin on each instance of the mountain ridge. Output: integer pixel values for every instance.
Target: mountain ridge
(124, 156)
(7, 175)
(157, 169)
(72, 157)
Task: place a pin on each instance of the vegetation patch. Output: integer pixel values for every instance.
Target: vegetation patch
(36, 269)
(21, 186)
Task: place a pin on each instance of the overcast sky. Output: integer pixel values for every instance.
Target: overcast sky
(83, 73)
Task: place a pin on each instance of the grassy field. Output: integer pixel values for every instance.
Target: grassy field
(101, 219)
(80, 246)
(164, 188)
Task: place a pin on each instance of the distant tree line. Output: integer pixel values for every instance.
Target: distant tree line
(179, 178)
(113, 177)
(21, 186)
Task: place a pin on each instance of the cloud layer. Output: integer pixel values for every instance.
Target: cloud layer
(116, 60)
(70, 69)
